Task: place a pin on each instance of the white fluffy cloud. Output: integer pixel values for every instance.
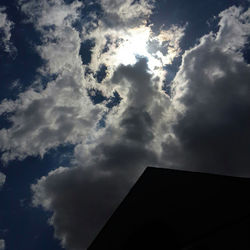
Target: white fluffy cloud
(60, 113)
(5, 28)
(61, 42)
(50, 13)
(234, 29)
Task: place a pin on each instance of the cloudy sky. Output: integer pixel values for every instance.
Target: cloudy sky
(93, 91)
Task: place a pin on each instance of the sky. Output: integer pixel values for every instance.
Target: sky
(92, 92)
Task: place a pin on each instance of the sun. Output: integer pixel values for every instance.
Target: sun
(135, 43)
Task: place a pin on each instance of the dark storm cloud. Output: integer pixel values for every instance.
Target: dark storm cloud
(213, 130)
(88, 197)
(138, 125)
(139, 81)
(214, 136)
(82, 198)
(91, 191)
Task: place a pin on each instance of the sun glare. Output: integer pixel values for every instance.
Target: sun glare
(136, 44)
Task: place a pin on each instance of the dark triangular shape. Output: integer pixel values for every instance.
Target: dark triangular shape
(172, 209)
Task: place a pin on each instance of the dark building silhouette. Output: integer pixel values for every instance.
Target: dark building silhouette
(171, 209)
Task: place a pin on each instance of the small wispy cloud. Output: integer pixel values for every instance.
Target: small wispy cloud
(2, 244)
(2, 179)
(5, 29)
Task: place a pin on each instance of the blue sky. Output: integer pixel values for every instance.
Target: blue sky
(92, 92)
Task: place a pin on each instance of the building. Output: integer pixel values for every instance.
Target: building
(172, 209)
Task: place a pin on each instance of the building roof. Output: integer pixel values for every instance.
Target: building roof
(180, 210)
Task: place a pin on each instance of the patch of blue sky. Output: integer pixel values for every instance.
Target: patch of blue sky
(23, 66)
(22, 226)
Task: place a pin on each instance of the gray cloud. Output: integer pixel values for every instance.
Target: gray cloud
(88, 197)
(104, 171)
(2, 244)
(2, 179)
(212, 94)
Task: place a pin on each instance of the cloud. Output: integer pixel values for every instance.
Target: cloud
(211, 97)
(5, 30)
(44, 117)
(2, 244)
(105, 169)
(61, 42)
(123, 31)
(123, 14)
(234, 29)
(61, 112)
(83, 209)
(49, 14)
(204, 125)
(2, 179)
